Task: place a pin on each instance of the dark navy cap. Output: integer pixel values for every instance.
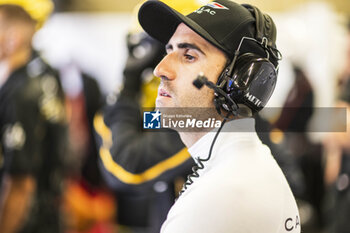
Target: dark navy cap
(223, 23)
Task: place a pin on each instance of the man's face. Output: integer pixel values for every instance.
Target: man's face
(14, 35)
(188, 54)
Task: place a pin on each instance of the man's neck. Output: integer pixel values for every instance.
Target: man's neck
(190, 138)
(13, 62)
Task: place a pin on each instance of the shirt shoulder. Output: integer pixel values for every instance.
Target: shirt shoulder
(242, 194)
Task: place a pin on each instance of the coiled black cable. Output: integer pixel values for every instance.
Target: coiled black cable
(200, 162)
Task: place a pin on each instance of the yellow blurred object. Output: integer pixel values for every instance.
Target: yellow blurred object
(183, 6)
(150, 92)
(276, 136)
(39, 10)
(84, 208)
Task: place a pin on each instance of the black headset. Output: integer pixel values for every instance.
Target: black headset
(249, 79)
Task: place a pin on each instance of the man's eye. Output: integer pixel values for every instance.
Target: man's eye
(189, 57)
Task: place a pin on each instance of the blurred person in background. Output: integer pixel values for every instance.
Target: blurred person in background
(337, 159)
(33, 133)
(89, 206)
(142, 167)
(292, 124)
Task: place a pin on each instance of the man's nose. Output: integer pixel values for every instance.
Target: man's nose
(165, 68)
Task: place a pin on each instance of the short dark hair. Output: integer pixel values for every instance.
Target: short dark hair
(14, 13)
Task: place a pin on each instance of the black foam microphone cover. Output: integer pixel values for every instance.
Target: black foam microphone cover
(200, 81)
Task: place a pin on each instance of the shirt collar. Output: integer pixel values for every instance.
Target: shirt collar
(236, 130)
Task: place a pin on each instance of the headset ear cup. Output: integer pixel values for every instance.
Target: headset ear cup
(253, 81)
(262, 87)
(241, 81)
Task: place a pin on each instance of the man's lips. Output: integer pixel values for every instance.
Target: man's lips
(163, 93)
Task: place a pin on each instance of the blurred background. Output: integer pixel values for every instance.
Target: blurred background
(310, 33)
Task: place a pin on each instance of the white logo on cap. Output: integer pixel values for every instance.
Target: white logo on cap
(212, 5)
(207, 10)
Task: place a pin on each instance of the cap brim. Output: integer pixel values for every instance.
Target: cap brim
(160, 21)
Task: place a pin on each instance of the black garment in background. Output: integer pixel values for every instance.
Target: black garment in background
(342, 197)
(93, 103)
(285, 159)
(296, 114)
(143, 206)
(345, 91)
(136, 151)
(341, 212)
(32, 98)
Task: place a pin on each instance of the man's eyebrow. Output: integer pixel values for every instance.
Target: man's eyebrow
(185, 46)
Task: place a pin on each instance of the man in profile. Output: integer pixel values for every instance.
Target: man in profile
(237, 186)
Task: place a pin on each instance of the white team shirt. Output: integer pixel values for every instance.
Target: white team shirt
(241, 189)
